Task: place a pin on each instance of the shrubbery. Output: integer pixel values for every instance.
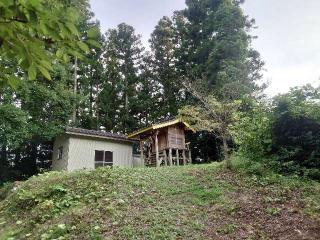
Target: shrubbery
(285, 132)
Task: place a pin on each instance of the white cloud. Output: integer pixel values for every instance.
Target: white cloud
(288, 40)
(282, 79)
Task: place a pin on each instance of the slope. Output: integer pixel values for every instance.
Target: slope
(193, 202)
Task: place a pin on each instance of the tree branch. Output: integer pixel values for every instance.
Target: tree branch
(188, 85)
(13, 19)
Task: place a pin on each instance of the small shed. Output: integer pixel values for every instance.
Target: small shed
(86, 149)
(164, 144)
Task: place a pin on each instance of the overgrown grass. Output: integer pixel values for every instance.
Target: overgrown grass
(164, 203)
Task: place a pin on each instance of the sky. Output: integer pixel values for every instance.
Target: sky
(288, 33)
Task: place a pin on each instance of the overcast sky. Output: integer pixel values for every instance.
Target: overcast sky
(288, 33)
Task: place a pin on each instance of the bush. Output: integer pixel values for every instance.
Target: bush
(296, 132)
(5, 189)
(287, 132)
(252, 131)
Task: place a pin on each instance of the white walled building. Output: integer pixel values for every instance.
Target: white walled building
(86, 149)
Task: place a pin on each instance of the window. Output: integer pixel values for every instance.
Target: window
(108, 158)
(103, 159)
(60, 153)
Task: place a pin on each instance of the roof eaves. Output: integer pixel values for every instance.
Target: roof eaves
(159, 126)
(120, 139)
(140, 131)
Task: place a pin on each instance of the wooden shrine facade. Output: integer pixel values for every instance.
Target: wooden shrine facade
(164, 144)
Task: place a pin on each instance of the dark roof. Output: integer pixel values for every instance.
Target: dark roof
(98, 134)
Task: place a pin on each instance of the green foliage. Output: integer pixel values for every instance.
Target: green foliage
(5, 189)
(296, 131)
(120, 98)
(164, 64)
(36, 33)
(13, 125)
(89, 71)
(214, 45)
(213, 116)
(227, 229)
(31, 116)
(252, 130)
(286, 132)
(203, 196)
(273, 211)
(57, 232)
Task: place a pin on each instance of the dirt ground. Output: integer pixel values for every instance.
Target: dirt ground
(264, 212)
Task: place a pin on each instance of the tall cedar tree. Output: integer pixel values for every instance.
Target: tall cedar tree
(149, 102)
(214, 46)
(163, 45)
(89, 73)
(122, 59)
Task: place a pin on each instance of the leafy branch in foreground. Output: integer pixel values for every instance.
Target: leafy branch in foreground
(35, 33)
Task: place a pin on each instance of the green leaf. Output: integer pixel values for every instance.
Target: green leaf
(72, 28)
(83, 47)
(14, 82)
(63, 30)
(53, 33)
(32, 72)
(59, 53)
(76, 54)
(66, 58)
(93, 43)
(34, 3)
(94, 33)
(46, 64)
(43, 27)
(44, 72)
(33, 18)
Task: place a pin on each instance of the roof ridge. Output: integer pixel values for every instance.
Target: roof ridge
(96, 133)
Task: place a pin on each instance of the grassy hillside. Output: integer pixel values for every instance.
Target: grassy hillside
(194, 202)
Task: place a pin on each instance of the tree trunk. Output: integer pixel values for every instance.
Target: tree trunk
(97, 109)
(126, 106)
(91, 100)
(3, 164)
(74, 114)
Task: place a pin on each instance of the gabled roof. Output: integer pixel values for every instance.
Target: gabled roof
(98, 134)
(159, 126)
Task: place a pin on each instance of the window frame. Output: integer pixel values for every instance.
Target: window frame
(108, 162)
(60, 153)
(104, 162)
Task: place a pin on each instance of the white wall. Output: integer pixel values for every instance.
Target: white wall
(82, 152)
(62, 164)
(137, 162)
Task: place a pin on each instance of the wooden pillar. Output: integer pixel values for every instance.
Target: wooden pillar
(149, 151)
(184, 157)
(170, 156)
(157, 149)
(165, 159)
(177, 154)
(141, 152)
(190, 159)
